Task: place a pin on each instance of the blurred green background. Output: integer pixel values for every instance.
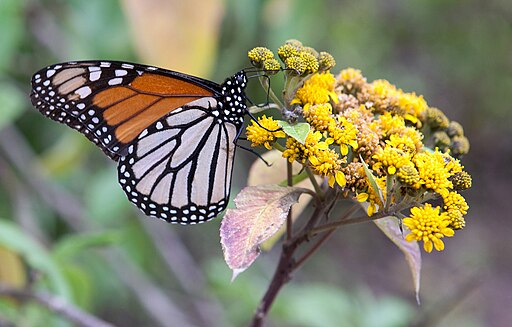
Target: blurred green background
(67, 229)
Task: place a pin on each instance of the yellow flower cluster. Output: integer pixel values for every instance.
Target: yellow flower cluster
(265, 132)
(429, 225)
(377, 142)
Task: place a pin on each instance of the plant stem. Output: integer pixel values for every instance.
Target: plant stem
(289, 179)
(317, 188)
(287, 264)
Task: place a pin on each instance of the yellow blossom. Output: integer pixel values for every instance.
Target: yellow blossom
(372, 196)
(265, 133)
(260, 54)
(343, 133)
(319, 115)
(429, 225)
(455, 206)
(382, 95)
(408, 174)
(302, 152)
(351, 81)
(403, 143)
(432, 170)
(327, 163)
(319, 88)
(391, 158)
(411, 105)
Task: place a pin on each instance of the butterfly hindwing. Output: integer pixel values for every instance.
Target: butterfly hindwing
(179, 169)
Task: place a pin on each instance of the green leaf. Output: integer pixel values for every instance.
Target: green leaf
(12, 237)
(13, 103)
(11, 30)
(372, 180)
(298, 131)
(72, 245)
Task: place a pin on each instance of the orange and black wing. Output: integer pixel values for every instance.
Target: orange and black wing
(113, 102)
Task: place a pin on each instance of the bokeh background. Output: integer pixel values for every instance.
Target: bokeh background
(67, 229)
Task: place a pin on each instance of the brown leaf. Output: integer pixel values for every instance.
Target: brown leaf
(260, 212)
(260, 174)
(411, 250)
(174, 34)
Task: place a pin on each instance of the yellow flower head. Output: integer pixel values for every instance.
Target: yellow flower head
(391, 158)
(372, 196)
(411, 105)
(319, 88)
(266, 133)
(319, 115)
(288, 50)
(402, 142)
(389, 123)
(302, 152)
(461, 181)
(271, 65)
(434, 173)
(351, 81)
(343, 133)
(429, 225)
(455, 206)
(326, 61)
(408, 174)
(381, 94)
(310, 62)
(260, 54)
(328, 163)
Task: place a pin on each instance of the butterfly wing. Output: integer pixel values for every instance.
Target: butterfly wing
(112, 102)
(179, 169)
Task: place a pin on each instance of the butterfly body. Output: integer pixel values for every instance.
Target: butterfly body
(172, 134)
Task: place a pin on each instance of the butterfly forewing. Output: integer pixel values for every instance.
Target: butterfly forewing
(112, 102)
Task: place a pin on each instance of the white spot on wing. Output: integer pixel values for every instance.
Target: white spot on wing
(83, 92)
(115, 81)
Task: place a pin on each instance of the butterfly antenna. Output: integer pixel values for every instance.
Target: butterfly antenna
(255, 153)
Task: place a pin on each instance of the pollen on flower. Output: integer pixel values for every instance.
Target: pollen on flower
(435, 118)
(381, 94)
(265, 133)
(328, 163)
(310, 62)
(296, 64)
(429, 225)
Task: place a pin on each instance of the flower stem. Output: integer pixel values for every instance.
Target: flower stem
(272, 95)
(289, 221)
(317, 188)
(287, 264)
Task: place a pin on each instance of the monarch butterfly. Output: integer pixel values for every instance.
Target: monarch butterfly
(173, 135)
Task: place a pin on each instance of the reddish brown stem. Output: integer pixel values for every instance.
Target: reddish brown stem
(287, 265)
